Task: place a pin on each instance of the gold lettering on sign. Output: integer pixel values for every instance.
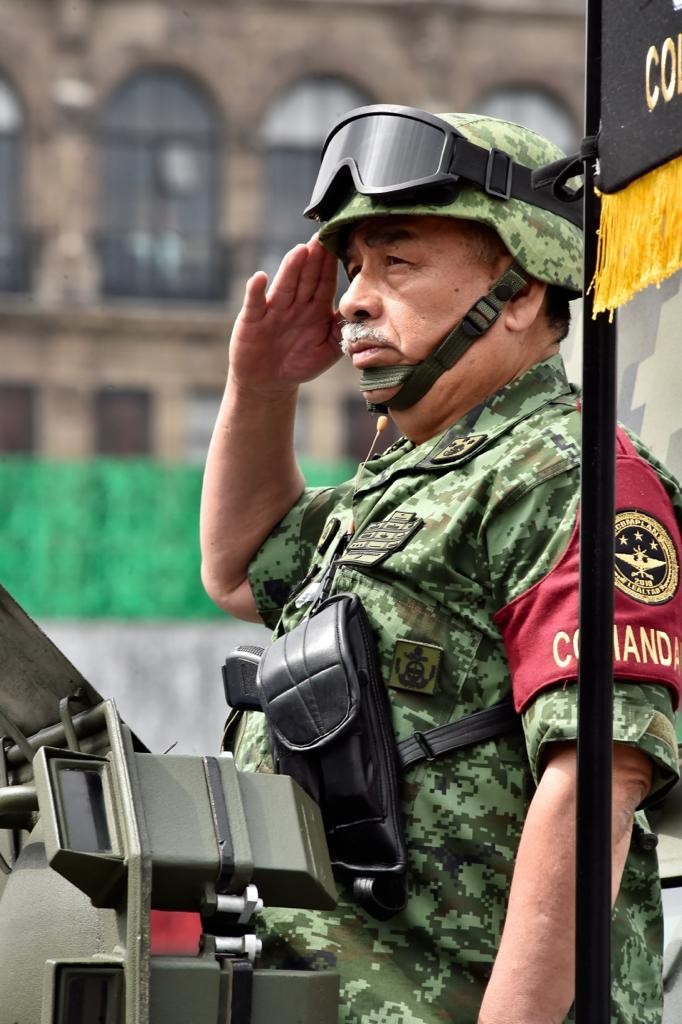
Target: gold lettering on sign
(663, 74)
(668, 70)
(651, 94)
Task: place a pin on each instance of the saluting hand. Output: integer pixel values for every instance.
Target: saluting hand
(288, 333)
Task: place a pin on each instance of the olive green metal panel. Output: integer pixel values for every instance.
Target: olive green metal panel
(240, 826)
(292, 866)
(295, 997)
(97, 868)
(35, 674)
(82, 991)
(43, 917)
(186, 991)
(180, 828)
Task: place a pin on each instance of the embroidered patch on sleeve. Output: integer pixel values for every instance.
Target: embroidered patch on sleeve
(647, 566)
(415, 666)
(379, 540)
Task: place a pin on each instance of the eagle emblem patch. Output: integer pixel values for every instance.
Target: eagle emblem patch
(647, 566)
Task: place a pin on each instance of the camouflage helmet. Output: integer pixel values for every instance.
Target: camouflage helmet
(548, 246)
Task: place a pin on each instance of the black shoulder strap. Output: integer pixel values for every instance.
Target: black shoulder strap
(481, 725)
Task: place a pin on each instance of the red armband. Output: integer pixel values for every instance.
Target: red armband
(540, 627)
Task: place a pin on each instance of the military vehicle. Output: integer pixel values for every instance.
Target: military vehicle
(96, 833)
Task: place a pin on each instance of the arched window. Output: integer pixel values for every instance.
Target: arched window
(293, 132)
(14, 248)
(535, 109)
(160, 141)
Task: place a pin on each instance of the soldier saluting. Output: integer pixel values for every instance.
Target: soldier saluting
(461, 543)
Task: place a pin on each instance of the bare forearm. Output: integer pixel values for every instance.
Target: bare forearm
(533, 977)
(285, 334)
(251, 480)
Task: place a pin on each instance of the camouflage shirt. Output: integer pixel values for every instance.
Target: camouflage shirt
(448, 533)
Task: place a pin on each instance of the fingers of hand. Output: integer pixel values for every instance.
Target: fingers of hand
(312, 272)
(282, 292)
(254, 305)
(329, 273)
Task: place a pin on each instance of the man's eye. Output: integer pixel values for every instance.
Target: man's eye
(394, 260)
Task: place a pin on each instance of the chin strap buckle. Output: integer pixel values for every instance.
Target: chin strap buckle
(481, 317)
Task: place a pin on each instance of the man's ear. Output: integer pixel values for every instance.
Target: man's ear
(524, 309)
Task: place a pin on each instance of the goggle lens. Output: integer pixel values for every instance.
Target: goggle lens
(383, 152)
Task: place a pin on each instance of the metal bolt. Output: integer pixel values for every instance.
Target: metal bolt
(246, 905)
(243, 945)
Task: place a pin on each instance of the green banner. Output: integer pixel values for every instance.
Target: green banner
(108, 538)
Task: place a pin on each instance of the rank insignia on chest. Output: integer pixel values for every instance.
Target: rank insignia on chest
(457, 451)
(415, 666)
(379, 540)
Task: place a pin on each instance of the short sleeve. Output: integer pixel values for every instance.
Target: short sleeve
(526, 538)
(642, 717)
(285, 557)
(539, 622)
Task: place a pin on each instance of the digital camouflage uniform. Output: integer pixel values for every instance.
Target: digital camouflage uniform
(448, 534)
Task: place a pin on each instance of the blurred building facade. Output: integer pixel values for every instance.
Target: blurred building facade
(154, 154)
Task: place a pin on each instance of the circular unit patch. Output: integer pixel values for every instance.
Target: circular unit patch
(647, 565)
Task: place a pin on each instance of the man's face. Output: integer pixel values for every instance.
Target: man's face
(411, 279)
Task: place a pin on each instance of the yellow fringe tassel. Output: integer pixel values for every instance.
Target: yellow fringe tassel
(640, 236)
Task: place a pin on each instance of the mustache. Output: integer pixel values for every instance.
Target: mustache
(352, 332)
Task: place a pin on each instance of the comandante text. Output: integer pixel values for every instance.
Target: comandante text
(639, 645)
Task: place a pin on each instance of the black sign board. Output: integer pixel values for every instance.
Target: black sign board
(641, 88)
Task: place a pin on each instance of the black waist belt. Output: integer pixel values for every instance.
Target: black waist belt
(475, 728)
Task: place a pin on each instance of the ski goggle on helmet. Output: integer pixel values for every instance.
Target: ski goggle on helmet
(383, 160)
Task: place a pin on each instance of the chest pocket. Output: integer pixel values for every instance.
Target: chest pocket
(401, 621)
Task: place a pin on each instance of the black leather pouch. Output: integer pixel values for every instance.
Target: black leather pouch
(329, 718)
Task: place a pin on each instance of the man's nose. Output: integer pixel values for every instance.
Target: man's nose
(360, 301)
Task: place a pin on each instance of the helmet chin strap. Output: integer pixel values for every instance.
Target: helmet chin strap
(415, 380)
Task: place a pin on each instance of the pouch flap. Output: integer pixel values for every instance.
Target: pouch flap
(308, 678)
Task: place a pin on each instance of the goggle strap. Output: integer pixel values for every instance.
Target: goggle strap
(472, 326)
(496, 174)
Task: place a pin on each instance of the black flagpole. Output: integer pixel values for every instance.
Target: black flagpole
(595, 684)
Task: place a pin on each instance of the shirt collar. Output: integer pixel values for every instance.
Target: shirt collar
(542, 383)
(524, 395)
